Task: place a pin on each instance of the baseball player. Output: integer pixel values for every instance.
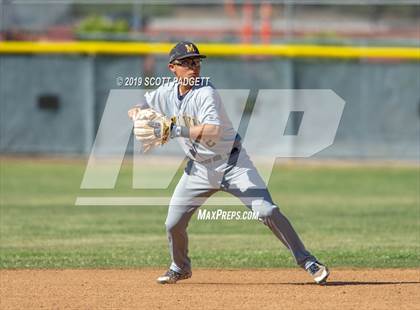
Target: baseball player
(193, 114)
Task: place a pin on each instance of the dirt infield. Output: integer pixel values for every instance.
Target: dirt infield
(209, 289)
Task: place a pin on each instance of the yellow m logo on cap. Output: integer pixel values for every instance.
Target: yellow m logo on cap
(190, 48)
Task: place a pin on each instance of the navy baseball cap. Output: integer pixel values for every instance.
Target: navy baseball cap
(183, 50)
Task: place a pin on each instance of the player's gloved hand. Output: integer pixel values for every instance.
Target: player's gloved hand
(153, 128)
(150, 127)
(157, 128)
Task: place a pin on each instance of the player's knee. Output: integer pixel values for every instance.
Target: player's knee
(169, 227)
(173, 227)
(263, 208)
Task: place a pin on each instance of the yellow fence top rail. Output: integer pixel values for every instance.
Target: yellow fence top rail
(211, 49)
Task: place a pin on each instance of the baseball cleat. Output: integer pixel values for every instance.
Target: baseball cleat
(318, 271)
(171, 277)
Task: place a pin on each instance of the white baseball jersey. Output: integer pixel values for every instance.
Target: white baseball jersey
(203, 104)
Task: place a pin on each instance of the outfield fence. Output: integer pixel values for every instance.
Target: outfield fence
(52, 95)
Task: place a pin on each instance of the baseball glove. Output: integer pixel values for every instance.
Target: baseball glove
(150, 127)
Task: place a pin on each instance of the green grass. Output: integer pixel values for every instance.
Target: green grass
(348, 216)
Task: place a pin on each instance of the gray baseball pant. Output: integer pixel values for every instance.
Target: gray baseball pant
(243, 181)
